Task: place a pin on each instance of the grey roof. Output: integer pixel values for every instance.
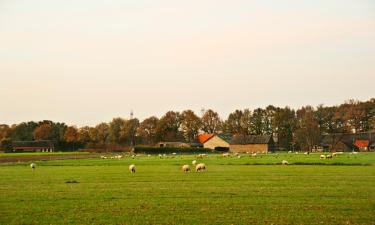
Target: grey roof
(252, 139)
(226, 137)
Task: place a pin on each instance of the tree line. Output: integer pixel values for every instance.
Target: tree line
(300, 129)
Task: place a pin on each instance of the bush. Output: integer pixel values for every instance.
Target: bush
(170, 150)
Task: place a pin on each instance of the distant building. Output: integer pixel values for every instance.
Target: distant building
(218, 142)
(32, 146)
(252, 144)
(349, 142)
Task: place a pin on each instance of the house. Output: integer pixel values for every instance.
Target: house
(349, 142)
(252, 143)
(32, 146)
(218, 142)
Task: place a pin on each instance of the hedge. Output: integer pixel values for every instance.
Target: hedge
(170, 150)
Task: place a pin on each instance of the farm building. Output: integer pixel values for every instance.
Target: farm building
(32, 146)
(349, 142)
(252, 143)
(218, 142)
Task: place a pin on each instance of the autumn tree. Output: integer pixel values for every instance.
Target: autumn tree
(43, 132)
(285, 123)
(211, 122)
(307, 132)
(147, 130)
(71, 136)
(129, 130)
(168, 128)
(233, 124)
(190, 125)
(115, 127)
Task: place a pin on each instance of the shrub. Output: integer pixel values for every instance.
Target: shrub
(170, 150)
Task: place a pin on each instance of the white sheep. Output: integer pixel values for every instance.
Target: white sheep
(194, 162)
(226, 154)
(290, 152)
(307, 153)
(186, 168)
(254, 154)
(323, 157)
(329, 156)
(33, 166)
(200, 167)
(132, 168)
(284, 163)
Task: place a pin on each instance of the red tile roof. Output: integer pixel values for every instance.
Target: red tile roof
(362, 143)
(202, 138)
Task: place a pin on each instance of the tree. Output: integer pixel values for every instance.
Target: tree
(246, 125)
(190, 125)
(84, 135)
(258, 121)
(307, 133)
(233, 124)
(71, 136)
(43, 132)
(147, 130)
(5, 144)
(284, 124)
(211, 122)
(5, 131)
(115, 128)
(23, 131)
(168, 128)
(129, 130)
(102, 133)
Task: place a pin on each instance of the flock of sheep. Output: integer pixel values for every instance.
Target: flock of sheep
(199, 167)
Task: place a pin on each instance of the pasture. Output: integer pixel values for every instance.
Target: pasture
(249, 190)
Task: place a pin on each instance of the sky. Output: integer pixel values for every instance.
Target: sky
(83, 62)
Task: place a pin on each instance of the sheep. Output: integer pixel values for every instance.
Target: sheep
(160, 156)
(103, 157)
(200, 167)
(355, 153)
(226, 154)
(33, 166)
(194, 162)
(290, 152)
(284, 163)
(307, 153)
(323, 157)
(237, 154)
(149, 156)
(329, 156)
(186, 168)
(132, 168)
(254, 154)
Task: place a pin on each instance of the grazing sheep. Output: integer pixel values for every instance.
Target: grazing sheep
(132, 168)
(290, 152)
(323, 157)
(307, 153)
(254, 154)
(103, 157)
(186, 168)
(33, 166)
(200, 167)
(226, 154)
(160, 156)
(284, 163)
(329, 156)
(239, 156)
(194, 162)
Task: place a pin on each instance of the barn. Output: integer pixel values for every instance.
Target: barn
(32, 146)
(252, 144)
(218, 142)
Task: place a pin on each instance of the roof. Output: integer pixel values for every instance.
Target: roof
(362, 143)
(251, 139)
(226, 137)
(33, 144)
(202, 138)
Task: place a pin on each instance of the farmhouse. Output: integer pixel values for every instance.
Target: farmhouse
(349, 142)
(218, 142)
(32, 146)
(179, 145)
(252, 143)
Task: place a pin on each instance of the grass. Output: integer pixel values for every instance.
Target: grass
(231, 191)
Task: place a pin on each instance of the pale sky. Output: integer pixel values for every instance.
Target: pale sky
(85, 62)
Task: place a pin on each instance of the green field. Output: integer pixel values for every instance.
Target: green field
(231, 191)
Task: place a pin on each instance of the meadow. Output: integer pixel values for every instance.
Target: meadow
(231, 191)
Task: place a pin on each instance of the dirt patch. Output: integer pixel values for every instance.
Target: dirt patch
(29, 158)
